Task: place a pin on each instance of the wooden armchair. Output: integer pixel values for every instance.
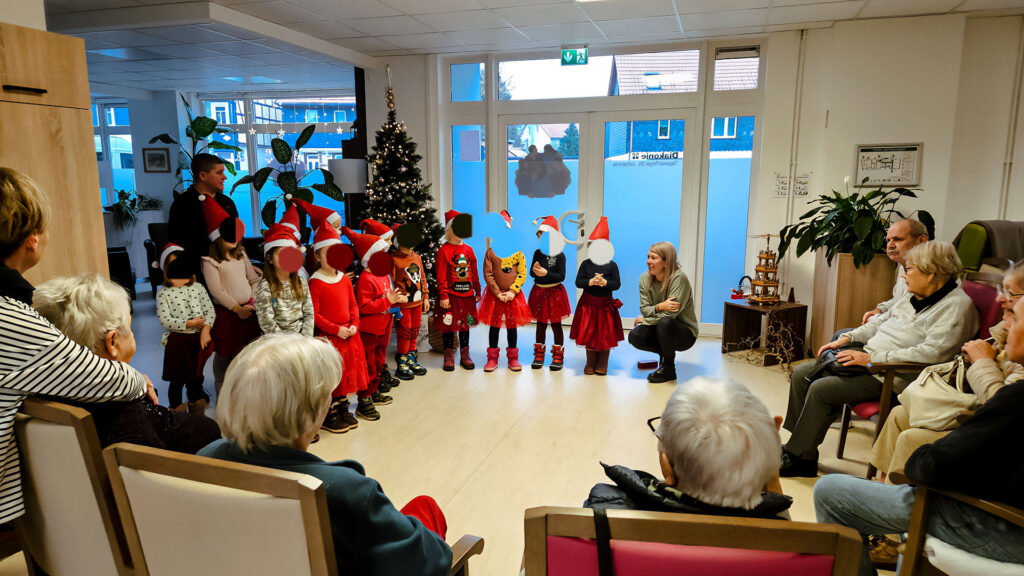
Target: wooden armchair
(915, 563)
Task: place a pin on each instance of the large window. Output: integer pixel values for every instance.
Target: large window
(113, 140)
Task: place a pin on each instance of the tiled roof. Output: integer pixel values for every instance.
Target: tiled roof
(677, 72)
(736, 74)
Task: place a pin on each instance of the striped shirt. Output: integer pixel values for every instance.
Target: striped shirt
(36, 359)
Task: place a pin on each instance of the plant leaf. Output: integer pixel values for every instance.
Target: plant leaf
(303, 194)
(330, 190)
(811, 213)
(877, 240)
(203, 126)
(214, 145)
(304, 136)
(287, 182)
(282, 151)
(929, 222)
(230, 168)
(248, 178)
(165, 138)
(269, 213)
(220, 130)
(260, 177)
(804, 244)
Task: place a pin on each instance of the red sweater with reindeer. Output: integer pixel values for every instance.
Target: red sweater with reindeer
(456, 272)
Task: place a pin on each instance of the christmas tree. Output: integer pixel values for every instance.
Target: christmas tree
(397, 194)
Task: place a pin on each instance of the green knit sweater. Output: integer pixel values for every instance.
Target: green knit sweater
(652, 293)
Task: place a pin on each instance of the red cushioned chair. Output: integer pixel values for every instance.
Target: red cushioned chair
(560, 542)
(989, 313)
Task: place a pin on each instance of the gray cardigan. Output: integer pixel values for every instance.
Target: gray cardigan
(651, 294)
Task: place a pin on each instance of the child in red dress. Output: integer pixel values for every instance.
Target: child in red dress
(503, 304)
(458, 289)
(549, 301)
(597, 324)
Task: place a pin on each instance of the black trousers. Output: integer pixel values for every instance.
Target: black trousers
(665, 338)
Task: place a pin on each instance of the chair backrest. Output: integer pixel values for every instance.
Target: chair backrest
(970, 246)
(984, 298)
(158, 234)
(70, 524)
(560, 542)
(198, 516)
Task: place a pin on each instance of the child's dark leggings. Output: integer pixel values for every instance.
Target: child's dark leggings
(511, 336)
(194, 389)
(556, 332)
(448, 338)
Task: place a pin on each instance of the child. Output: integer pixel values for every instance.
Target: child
(458, 289)
(386, 234)
(186, 313)
(412, 282)
(549, 301)
(503, 304)
(282, 297)
(336, 316)
(375, 296)
(231, 280)
(597, 324)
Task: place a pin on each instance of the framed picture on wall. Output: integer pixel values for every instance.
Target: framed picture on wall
(156, 160)
(889, 165)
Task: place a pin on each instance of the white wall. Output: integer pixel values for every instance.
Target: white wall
(157, 115)
(28, 13)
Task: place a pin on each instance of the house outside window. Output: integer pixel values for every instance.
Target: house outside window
(723, 127)
(664, 129)
(652, 81)
(220, 112)
(311, 116)
(339, 116)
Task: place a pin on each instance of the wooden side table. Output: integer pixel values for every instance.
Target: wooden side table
(741, 326)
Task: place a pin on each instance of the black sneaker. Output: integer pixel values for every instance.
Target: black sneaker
(385, 376)
(384, 387)
(336, 421)
(666, 372)
(795, 467)
(380, 399)
(365, 409)
(403, 369)
(416, 368)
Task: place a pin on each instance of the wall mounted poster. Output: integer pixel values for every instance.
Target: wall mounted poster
(889, 164)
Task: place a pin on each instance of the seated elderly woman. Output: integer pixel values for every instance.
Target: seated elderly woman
(718, 447)
(276, 394)
(928, 325)
(96, 313)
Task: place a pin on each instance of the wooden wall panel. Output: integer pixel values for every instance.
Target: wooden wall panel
(843, 293)
(39, 67)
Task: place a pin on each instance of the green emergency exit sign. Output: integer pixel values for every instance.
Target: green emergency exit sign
(575, 56)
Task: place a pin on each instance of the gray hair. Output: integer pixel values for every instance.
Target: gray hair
(276, 390)
(935, 257)
(721, 441)
(85, 308)
(915, 228)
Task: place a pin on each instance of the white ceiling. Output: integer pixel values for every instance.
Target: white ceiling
(201, 56)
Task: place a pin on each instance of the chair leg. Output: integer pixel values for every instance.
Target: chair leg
(871, 471)
(843, 428)
(913, 555)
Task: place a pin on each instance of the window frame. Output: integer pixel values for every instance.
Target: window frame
(668, 129)
(104, 131)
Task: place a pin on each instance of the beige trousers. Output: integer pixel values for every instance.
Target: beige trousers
(898, 441)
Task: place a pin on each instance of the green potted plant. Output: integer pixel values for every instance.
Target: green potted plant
(199, 131)
(125, 211)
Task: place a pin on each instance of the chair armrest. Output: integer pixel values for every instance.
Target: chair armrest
(898, 477)
(466, 547)
(964, 415)
(1004, 511)
(877, 367)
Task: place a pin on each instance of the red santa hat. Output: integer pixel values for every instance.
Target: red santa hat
(507, 218)
(325, 236)
(291, 220)
(377, 229)
(366, 245)
(449, 216)
(278, 236)
(599, 245)
(169, 249)
(556, 242)
(549, 224)
(214, 216)
(319, 214)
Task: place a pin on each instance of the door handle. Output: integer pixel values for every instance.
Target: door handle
(16, 88)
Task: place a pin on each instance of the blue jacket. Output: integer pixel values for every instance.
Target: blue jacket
(370, 535)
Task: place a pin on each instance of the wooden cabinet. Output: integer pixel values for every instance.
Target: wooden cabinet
(39, 67)
(843, 293)
(54, 146)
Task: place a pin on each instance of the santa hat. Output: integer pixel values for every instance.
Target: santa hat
(549, 224)
(599, 247)
(291, 220)
(449, 216)
(214, 216)
(278, 236)
(600, 232)
(325, 236)
(169, 249)
(507, 218)
(365, 245)
(319, 214)
(377, 229)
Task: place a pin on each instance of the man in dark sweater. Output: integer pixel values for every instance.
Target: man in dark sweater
(982, 458)
(186, 226)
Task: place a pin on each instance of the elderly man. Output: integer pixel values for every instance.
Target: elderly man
(981, 458)
(718, 447)
(902, 236)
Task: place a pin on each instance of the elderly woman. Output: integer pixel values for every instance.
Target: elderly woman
(35, 357)
(928, 325)
(718, 447)
(96, 313)
(667, 322)
(276, 394)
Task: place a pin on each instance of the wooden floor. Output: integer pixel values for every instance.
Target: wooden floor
(489, 446)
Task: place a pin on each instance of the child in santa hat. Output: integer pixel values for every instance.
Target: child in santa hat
(549, 301)
(411, 281)
(371, 226)
(336, 316)
(503, 303)
(282, 297)
(596, 324)
(231, 280)
(375, 296)
(186, 313)
(458, 288)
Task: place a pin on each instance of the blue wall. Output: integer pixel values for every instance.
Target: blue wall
(725, 238)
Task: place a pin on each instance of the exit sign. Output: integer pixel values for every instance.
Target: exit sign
(575, 56)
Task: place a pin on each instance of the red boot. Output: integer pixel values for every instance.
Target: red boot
(538, 356)
(449, 360)
(513, 359)
(492, 360)
(464, 360)
(557, 357)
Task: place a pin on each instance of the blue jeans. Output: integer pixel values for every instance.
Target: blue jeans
(872, 508)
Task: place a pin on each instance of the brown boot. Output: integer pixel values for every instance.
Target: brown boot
(601, 364)
(591, 360)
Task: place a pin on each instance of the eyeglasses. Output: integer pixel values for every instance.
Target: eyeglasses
(650, 424)
(908, 268)
(1010, 296)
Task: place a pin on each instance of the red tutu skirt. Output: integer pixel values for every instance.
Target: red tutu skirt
(353, 364)
(462, 308)
(549, 304)
(596, 324)
(183, 357)
(498, 314)
(230, 333)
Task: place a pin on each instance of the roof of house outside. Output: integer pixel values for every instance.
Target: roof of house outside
(677, 72)
(736, 74)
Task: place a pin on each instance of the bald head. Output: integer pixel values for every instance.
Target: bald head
(902, 236)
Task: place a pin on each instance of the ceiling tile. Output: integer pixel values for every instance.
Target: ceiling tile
(725, 32)
(733, 19)
(806, 2)
(880, 8)
(542, 15)
(128, 38)
(563, 32)
(489, 36)
(390, 25)
(339, 10)
(233, 31)
(84, 5)
(128, 66)
(645, 38)
(171, 64)
(422, 41)
(815, 12)
(279, 12)
(402, 52)
(798, 26)
(695, 6)
(127, 54)
(184, 51)
(236, 48)
(509, 3)
(282, 59)
(433, 6)
(366, 44)
(232, 61)
(615, 9)
(276, 44)
(326, 29)
(187, 34)
(468, 20)
(988, 5)
(629, 26)
(94, 44)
